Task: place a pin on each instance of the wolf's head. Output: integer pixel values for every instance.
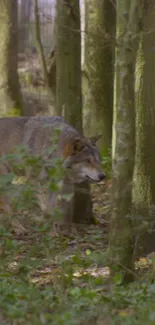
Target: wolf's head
(82, 160)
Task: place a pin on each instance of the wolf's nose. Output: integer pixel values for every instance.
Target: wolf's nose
(102, 176)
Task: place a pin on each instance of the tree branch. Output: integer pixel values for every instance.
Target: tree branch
(51, 63)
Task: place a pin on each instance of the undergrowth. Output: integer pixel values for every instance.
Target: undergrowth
(63, 279)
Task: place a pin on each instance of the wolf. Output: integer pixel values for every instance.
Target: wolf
(80, 157)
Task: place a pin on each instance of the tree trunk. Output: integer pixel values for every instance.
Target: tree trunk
(10, 96)
(144, 176)
(68, 62)
(121, 240)
(68, 93)
(99, 64)
(24, 23)
(49, 76)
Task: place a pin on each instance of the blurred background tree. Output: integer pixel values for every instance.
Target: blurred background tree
(10, 94)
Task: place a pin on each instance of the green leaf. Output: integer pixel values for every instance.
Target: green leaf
(118, 278)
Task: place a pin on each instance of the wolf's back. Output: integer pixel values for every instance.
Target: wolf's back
(34, 132)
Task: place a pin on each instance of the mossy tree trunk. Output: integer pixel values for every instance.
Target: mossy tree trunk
(68, 90)
(144, 176)
(121, 239)
(10, 96)
(99, 65)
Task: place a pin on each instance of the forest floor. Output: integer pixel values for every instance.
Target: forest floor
(63, 279)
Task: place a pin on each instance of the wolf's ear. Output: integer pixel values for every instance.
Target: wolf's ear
(77, 145)
(94, 139)
(73, 147)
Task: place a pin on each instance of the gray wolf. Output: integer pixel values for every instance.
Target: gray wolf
(80, 156)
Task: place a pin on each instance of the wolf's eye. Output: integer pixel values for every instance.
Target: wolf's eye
(87, 161)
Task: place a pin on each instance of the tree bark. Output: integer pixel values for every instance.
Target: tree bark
(144, 176)
(68, 93)
(121, 239)
(99, 64)
(24, 23)
(10, 95)
(68, 62)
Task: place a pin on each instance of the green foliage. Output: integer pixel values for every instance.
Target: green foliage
(73, 294)
(65, 279)
(15, 111)
(37, 171)
(107, 161)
